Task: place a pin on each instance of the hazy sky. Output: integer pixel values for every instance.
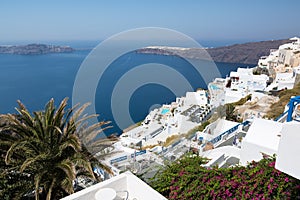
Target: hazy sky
(96, 20)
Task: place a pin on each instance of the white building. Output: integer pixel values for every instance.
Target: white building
(288, 151)
(123, 186)
(222, 157)
(282, 60)
(196, 98)
(216, 91)
(262, 138)
(289, 54)
(238, 85)
(244, 80)
(269, 61)
(215, 129)
(177, 118)
(285, 80)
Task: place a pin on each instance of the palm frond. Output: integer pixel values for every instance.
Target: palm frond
(50, 144)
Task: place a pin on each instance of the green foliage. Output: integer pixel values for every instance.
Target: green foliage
(277, 108)
(242, 101)
(228, 110)
(201, 127)
(14, 185)
(45, 145)
(230, 115)
(186, 179)
(165, 178)
(139, 123)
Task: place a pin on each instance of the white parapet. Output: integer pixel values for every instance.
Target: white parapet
(262, 138)
(288, 151)
(123, 186)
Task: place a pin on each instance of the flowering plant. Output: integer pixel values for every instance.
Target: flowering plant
(187, 179)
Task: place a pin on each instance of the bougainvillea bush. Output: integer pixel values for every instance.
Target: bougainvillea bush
(186, 179)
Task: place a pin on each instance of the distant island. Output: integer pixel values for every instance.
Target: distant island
(34, 49)
(248, 53)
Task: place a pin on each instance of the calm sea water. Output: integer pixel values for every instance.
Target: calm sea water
(36, 79)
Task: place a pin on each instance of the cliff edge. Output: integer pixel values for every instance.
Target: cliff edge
(247, 53)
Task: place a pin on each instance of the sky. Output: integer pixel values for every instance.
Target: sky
(204, 20)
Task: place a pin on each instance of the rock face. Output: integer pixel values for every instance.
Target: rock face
(247, 53)
(34, 49)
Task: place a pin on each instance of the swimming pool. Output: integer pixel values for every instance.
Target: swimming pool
(214, 87)
(165, 111)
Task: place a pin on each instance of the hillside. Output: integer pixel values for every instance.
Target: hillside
(34, 49)
(247, 53)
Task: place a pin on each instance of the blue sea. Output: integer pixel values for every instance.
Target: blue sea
(35, 79)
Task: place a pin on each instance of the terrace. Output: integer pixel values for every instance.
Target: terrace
(122, 187)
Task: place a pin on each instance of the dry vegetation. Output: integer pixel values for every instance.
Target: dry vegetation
(172, 139)
(278, 108)
(149, 146)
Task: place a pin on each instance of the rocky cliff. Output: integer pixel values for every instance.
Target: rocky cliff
(247, 53)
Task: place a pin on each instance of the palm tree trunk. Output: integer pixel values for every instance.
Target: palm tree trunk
(50, 189)
(37, 186)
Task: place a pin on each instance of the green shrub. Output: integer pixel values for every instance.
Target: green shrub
(186, 179)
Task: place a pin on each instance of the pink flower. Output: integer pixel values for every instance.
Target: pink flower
(271, 179)
(270, 192)
(181, 173)
(272, 164)
(286, 179)
(228, 193)
(278, 172)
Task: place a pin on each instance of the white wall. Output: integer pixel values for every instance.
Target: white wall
(262, 137)
(196, 98)
(288, 152)
(251, 151)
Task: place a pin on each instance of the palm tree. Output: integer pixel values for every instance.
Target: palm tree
(230, 112)
(47, 145)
